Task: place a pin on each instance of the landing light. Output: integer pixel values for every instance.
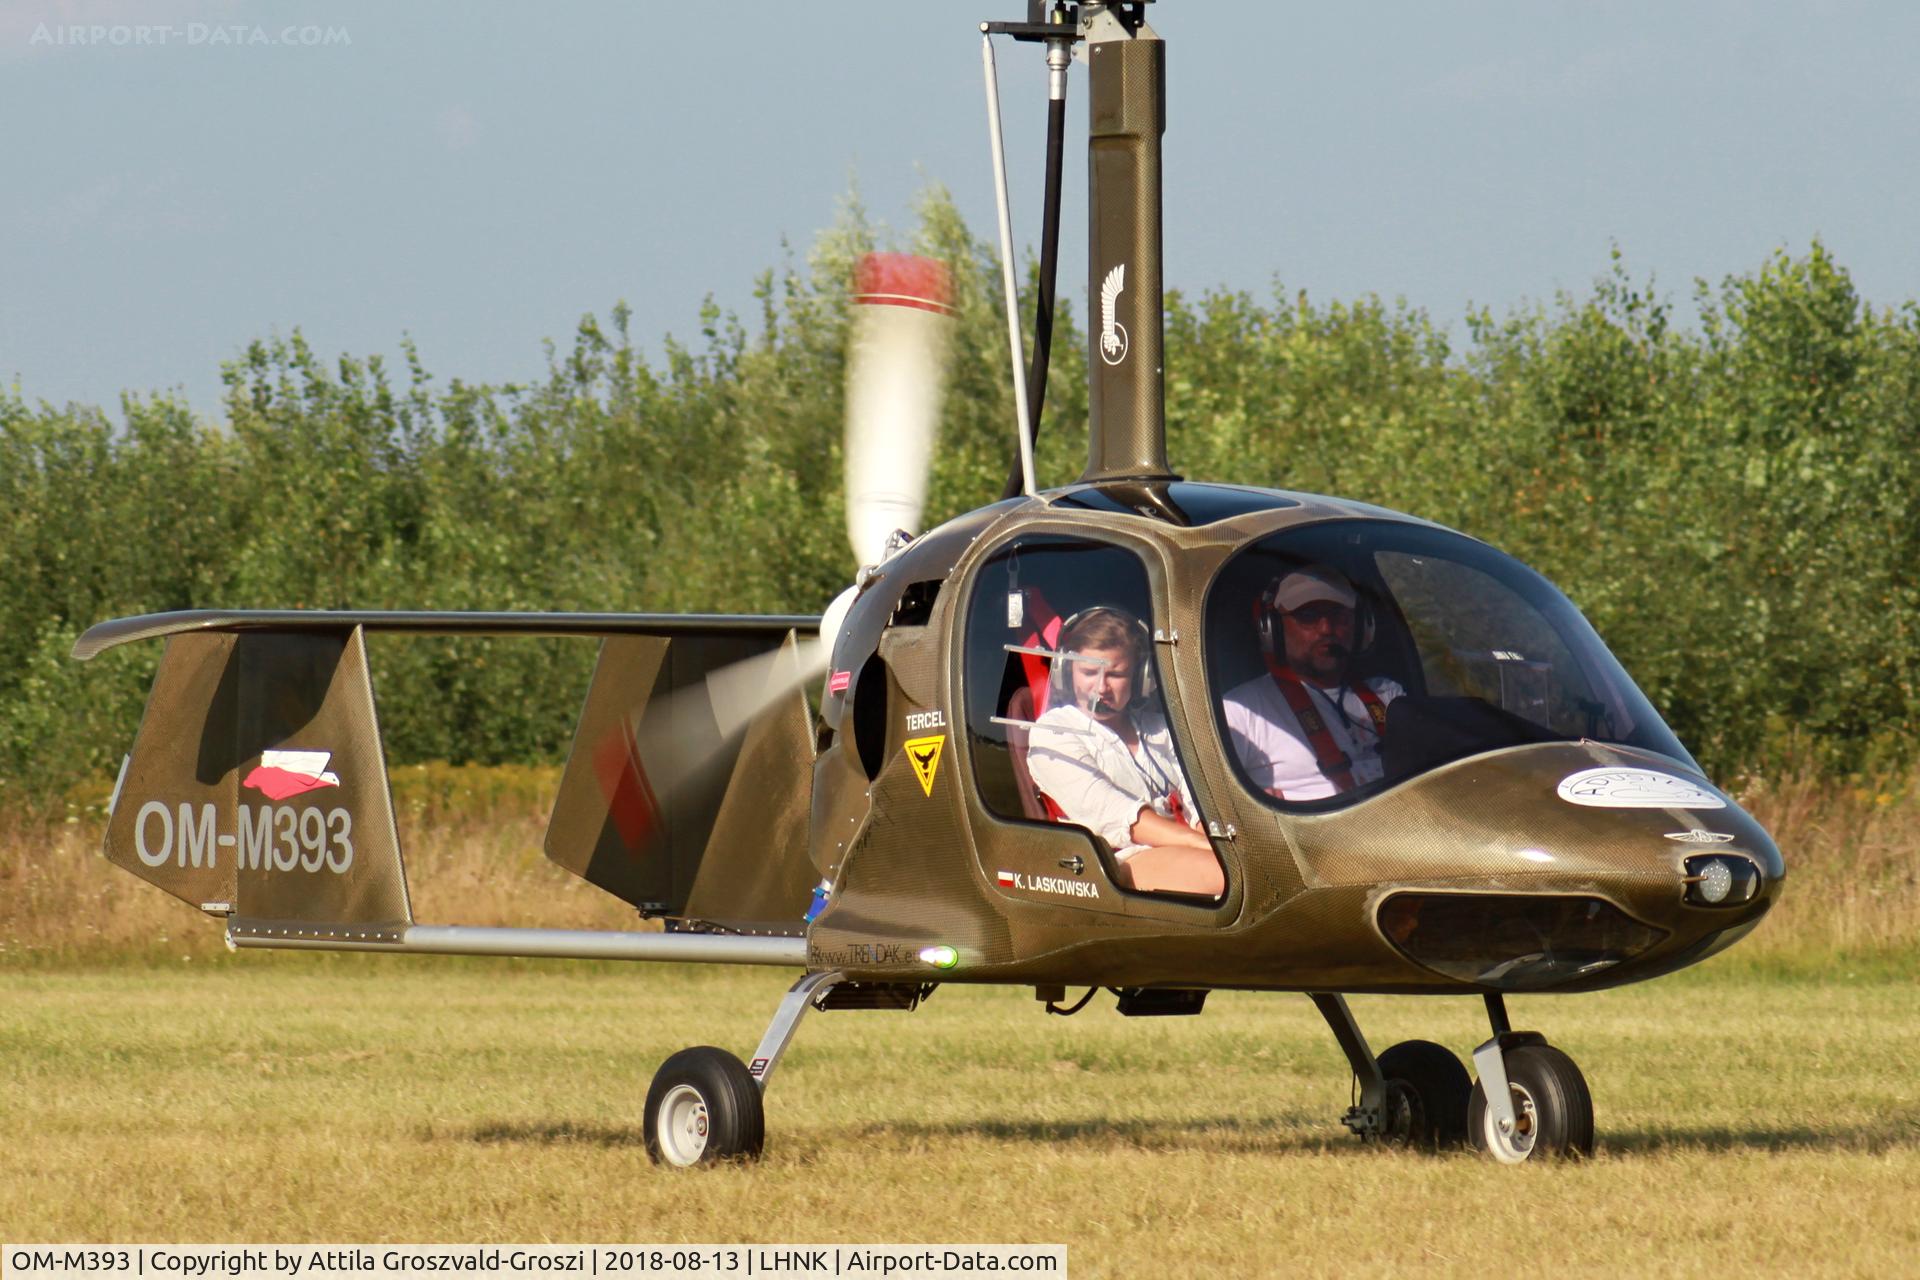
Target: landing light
(1720, 880)
(1715, 881)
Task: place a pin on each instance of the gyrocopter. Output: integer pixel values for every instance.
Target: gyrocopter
(1132, 733)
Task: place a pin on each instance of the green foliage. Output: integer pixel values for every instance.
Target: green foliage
(1731, 505)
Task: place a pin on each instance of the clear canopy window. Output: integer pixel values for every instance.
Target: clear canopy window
(1347, 656)
(1025, 594)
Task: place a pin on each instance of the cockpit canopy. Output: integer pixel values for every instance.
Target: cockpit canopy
(1450, 649)
(1458, 648)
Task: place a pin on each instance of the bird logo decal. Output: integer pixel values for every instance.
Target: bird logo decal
(924, 755)
(1113, 334)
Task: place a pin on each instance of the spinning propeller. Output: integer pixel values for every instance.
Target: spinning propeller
(897, 345)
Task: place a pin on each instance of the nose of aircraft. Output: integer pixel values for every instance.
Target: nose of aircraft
(1555, 866)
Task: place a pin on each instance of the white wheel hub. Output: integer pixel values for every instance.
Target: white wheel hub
(1515, 1145)
(682, 1125)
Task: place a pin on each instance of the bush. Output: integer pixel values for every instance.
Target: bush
(1730, 505)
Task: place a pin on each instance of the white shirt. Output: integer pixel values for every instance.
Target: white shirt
(1086, 769)
(1275, 750)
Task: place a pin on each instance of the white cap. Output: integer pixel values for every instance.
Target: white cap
(1308, 585)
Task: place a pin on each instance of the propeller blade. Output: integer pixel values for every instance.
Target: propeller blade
(735, 696)
(671, 742)
(896, 377)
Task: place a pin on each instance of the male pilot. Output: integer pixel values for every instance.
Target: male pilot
(1304, 730)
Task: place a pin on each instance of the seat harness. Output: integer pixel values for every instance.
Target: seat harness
(1336, 764)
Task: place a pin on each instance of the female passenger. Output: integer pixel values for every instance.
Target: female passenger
(1104, 755)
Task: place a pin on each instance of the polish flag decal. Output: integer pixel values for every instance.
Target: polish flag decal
(281, 774)
(1007, 880)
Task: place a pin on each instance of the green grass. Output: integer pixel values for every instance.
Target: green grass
(1746, 1123)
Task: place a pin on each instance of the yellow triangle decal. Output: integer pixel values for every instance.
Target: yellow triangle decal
(924, 755)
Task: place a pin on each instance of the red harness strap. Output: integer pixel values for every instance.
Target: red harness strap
(1336, 764)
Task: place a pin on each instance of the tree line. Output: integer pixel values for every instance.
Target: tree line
(1731, 502)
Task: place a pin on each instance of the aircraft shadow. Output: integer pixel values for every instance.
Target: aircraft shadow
(559, 1133)
(1899, 1132)
(1289, 1135)
(1275, 1134)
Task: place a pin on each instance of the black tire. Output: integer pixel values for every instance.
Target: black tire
(702, 1108)
(1427, 1093)
(1553, 1108)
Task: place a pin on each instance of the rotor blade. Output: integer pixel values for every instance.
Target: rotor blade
(896, 377)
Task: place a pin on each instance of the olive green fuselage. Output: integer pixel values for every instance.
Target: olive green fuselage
(1473, 875)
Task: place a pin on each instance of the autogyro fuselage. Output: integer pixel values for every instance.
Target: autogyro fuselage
(1536, 826)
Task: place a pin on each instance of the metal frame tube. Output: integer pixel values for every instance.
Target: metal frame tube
(1006, 267)
(1370, 1115)
(557, 944)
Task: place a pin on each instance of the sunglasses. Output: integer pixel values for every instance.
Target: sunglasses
(1319, 611)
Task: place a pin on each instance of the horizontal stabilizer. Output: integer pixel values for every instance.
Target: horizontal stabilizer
(257, 787)
(151, 626)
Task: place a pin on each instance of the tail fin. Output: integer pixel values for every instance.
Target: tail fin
(257, 787)
(687, 790)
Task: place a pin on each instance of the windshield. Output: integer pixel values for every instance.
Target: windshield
(1350, 655)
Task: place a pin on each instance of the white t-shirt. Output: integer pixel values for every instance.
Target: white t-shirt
(1086, 769)
(1275, 750)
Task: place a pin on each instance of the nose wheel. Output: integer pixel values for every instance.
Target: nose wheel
(1551, 1114)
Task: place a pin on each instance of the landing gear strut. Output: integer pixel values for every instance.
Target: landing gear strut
(1413, 1095)
(1530, 1103)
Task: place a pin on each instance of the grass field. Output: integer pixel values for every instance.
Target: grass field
(1747, 1123)
(1760, 1113)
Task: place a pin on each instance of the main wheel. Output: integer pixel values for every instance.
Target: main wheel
(1427, 1092)
(1552, 1110)
(703, 1107)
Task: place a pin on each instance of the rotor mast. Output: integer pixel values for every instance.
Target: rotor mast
(1126, 403)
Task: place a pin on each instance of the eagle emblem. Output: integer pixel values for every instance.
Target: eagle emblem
(1113, 334)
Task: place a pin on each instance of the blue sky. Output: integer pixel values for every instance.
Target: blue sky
(478, 176)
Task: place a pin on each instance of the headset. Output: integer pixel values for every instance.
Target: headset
(1267, 613)
(1060, 680)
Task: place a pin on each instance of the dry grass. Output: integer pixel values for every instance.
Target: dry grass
(473, 836)
(1853, 861)
(1746, 1125)
(1758, 1113)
